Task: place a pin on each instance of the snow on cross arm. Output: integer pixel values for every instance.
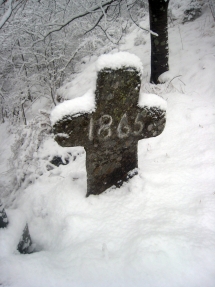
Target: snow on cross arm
(87, 104)
(151, 100)
(74, 107)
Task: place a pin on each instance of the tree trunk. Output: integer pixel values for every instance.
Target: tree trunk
(159, 44)
(26, 73)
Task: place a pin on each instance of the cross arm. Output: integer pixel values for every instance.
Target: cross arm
(72, 130)
(149, 122)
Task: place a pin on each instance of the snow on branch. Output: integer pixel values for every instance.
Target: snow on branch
(9, 11)
(7, 14)
(97, 22)
(80, 15)
(132, 19)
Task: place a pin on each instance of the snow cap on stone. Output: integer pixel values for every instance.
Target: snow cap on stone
(151, 100)
(74, 107)
(118, 61)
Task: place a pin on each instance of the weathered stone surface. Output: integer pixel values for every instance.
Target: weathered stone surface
(110, 134)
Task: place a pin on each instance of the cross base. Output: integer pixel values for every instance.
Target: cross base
(106, 169)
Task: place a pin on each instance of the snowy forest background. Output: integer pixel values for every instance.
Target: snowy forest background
(159, 229)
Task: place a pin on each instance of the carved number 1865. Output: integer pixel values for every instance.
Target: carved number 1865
(123, 129)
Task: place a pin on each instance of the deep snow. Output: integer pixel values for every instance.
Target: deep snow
(156, 230)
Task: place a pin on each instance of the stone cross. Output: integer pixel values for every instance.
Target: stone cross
(110, 135)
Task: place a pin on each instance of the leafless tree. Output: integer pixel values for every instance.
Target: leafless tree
(42, 41)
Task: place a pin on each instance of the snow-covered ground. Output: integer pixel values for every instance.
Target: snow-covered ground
(158, 229)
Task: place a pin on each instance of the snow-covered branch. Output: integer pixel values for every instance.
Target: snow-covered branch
(80, 15)
(147, 30)
(12, 5)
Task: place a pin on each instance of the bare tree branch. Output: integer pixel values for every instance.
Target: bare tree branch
(80, 15)
(98, 20)
(9, 11)
(144, 29)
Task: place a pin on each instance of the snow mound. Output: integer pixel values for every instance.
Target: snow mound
(119, 60)
(74, 107)
(166, 77)
(151, 100)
